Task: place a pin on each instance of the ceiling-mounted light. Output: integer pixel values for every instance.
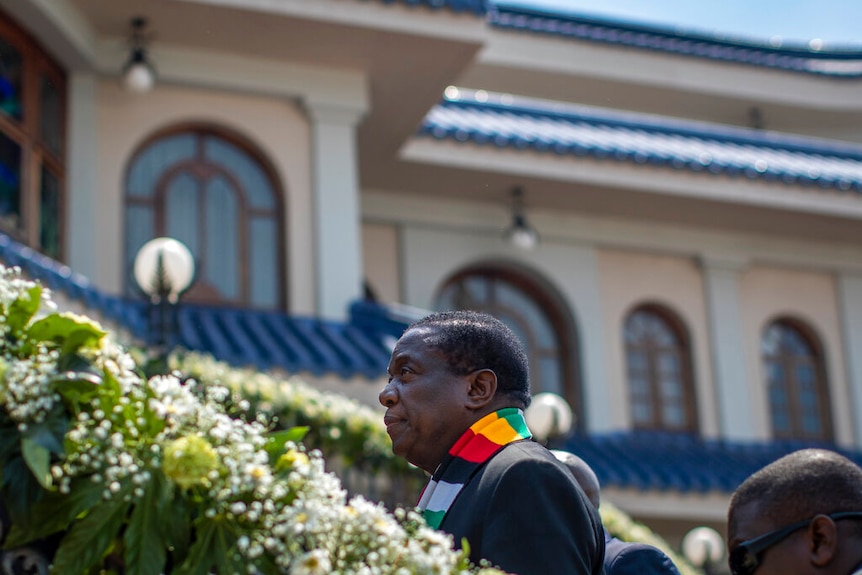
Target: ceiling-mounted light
(521, 234)
(139, 75)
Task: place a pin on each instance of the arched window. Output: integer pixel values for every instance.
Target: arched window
(211, 191)
(533, 313)
(796, 382)
(32, 142)
(658, 370)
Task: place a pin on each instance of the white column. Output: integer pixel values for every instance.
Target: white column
(850, 311)
(592, 339)
(721, 279)
(81, 182)
(337, 214)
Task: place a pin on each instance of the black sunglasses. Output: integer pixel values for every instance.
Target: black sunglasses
(745, 557)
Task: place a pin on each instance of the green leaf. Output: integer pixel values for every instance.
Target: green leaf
(89, 538)
(38, 459)
(267, 565)
(229, 559)
(23, 308)
(20, 489)
(144, 538)
(10, 442)
(178, 527)
(49, 433)
(75, 362)
(200, 559)
(68, 330)
(76, 386)
(275, 440)
(109, 392)
(55, 512)
(215, 547)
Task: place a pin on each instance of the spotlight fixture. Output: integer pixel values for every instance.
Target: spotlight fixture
(139, 75)
(520, 234)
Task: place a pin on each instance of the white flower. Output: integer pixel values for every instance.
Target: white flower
(313, 563)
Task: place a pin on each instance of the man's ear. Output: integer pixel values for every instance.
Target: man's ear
(822, 540)
(483, 386)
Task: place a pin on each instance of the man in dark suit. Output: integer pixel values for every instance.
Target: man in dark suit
(458, 385)
(621, 557)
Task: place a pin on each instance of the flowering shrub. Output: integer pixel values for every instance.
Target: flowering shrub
(162, 476)
(337, 424)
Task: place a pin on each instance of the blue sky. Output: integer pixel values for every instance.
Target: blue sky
(836, 22)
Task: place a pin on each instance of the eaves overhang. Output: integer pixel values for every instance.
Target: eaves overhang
(611, 148)
(813, 58)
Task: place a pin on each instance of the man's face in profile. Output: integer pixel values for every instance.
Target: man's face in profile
(424, 401)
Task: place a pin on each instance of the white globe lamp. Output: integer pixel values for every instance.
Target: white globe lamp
(164, 269)
(704, 547)
(549, 416)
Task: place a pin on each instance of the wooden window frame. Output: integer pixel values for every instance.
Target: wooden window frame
(791, 388)
(26, 133)
(205, 168)
(683, 353)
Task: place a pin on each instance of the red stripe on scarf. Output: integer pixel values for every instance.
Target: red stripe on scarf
(462, 441)
(479, 449)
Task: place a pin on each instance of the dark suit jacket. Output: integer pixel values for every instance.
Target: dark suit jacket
(524, 512)
(624, 558)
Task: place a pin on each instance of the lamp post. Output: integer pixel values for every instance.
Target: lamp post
(164, 269)
(549, 417)
(704, 548)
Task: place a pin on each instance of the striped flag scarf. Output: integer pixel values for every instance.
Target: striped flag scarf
(478, 444)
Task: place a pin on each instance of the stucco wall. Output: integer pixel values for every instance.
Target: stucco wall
(769, 293)
(629, 279)
(380, 260)
(276, 126)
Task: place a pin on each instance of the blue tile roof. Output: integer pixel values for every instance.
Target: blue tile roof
(264, 339)
(267, 339)
(478, 7)
(569, 130)
(678, 462)
(810, 59)
(60, 278)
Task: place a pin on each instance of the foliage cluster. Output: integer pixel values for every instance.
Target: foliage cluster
(164, 475)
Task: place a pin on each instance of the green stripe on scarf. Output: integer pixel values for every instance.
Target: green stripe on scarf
(472, 450)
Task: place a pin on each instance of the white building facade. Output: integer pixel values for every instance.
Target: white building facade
(699, 268)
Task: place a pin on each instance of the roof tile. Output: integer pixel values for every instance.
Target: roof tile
(646, 460)
(844, 62)
(565, 129)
